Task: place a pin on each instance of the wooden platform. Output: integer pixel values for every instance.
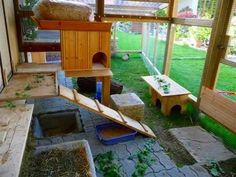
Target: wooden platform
(12, 148)
(104, 111)
(37, 68)
(177, 96)
(30, 85)
(72, 25)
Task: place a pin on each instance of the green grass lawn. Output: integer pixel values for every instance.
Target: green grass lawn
(186, 66)
(129, 74)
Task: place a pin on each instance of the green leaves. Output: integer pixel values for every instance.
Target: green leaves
(215, 169)
(107, 165)
(9, 105)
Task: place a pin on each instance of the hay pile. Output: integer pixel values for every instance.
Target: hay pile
(62, 10)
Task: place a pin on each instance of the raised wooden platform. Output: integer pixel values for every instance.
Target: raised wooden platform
(177, 96)
(13, 146)
(30, 85)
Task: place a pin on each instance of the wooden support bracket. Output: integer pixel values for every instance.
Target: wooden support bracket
(98, 105)
(143, 126)
(76, 96)
(122, 117)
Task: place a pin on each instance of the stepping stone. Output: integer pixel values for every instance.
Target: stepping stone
(202, 146)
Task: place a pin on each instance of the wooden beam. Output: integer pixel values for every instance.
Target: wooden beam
(229, 62)
(99, 10)
(216, 46)
(155, 46)
(169, 48)
(171, 9)
(114, 17)
(159, 1)
(193, 22)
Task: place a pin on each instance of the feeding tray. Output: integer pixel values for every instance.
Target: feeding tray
(112, 133)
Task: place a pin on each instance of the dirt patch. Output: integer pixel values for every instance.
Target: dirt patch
(111, 132)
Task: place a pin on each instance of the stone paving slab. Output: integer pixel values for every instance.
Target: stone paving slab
(202, 146)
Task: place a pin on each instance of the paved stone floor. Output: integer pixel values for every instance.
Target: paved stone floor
(163, 166)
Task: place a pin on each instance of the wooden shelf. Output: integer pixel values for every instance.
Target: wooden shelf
(12, 149)
(30, 85)
(72, 25)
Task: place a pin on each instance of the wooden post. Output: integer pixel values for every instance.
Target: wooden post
(155, 46)
(169, 46)
(106, 90)
(217, 43)
(99, 10)
(173, 9)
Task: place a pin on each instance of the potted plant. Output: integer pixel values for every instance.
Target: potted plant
(200, 35)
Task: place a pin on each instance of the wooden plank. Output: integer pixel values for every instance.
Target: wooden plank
(219, 107)
(105, 42)
(193, 22)
(230, 62)
(175, 89)
(12, 32)
(135, 18)
(37, 68)
(12, 149)
(4, 47)
(89, 73)
(34, 85)
(108, 113)
(5, 78)
(73, 25)
(82, 50)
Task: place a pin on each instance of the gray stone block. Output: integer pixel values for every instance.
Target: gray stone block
(174, 172)
(200, 171)
(165, 160)
(187, 171)
(129, 104)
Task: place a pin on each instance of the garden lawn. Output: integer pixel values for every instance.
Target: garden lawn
(129, 74)
(186, 66)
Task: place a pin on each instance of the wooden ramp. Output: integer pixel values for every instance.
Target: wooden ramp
(95, 106)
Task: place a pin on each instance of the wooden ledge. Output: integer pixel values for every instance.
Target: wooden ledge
(72, 25)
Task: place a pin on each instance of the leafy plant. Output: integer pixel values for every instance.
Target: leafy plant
(201, 34)
(29, 32)
(21, 94)
(161, 13)
(215, 169)
(107, 165)
(39, 78)
(143, 159)
(28, 87)
(9, 105)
